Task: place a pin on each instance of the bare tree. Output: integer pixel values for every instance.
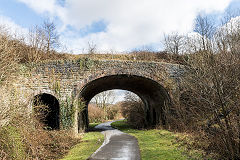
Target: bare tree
(42, 39)
(129, 96)
(132, 109)
(205, 26)
(92, 47)
(37, 43)
(227, 37)
(173, 43)
(51, 35)
(103, 99)
(209, 101)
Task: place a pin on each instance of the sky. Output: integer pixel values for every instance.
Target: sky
(111, 25)
(116, 96)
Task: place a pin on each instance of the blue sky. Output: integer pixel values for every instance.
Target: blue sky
(116, 25)
(20, 13)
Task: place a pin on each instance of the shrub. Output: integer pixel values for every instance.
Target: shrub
(95, 114)
(134, 113)
(114, 112)
(8, 56)
(209, 101)
(46, 144)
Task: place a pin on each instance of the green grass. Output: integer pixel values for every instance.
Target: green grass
(90, 142)
(158, 144)
(92, 125)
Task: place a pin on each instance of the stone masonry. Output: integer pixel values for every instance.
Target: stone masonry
(79, 80)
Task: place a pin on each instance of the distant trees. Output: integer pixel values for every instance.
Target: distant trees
(206, 37)
(103, 99)
(228, 36)
(173, 43)
(205, 27)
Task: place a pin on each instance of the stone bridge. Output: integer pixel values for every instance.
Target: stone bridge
(68, 86)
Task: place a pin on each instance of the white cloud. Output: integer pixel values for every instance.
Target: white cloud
(130, 23)
(9, 26)
(41, 6)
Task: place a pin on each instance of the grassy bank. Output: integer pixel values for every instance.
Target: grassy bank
(31, 141)
(90, 142)
(159, 144)
(11, 144)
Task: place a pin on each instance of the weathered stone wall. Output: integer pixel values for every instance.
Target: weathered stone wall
(66, 79)
(70, 76)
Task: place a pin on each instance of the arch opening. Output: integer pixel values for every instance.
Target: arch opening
(153, 95)
(116, 104)
(46, 108)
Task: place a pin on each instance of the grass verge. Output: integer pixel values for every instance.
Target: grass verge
(90, 142)
(92, 125)
(159, 144)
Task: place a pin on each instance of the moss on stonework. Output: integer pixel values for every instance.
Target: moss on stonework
(85, 63)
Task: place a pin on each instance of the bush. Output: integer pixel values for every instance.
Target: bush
(46, 144)
(134, 113)
(95, 114)
(26, 139)
(8, 56)
(209, 102)
(114, 112)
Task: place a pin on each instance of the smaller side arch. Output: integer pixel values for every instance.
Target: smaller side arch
(47, 109)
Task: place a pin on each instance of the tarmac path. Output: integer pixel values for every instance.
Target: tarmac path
(117, 145)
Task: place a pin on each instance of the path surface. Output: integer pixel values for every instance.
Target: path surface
(117, 145)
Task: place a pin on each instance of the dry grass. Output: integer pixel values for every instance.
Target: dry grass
(25, 139)
(137, 56)
(44, 144)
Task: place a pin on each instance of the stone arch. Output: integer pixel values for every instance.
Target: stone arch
(154, 96)
(50, 116)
